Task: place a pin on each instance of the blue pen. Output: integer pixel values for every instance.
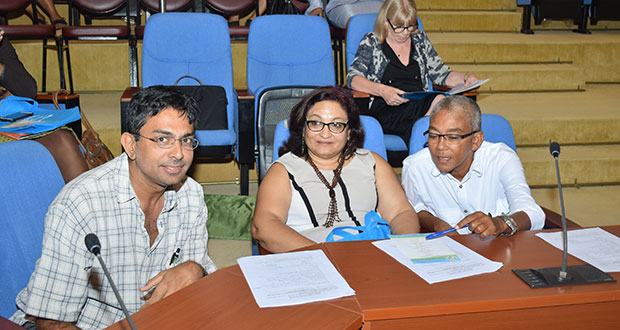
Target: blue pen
(443, 232)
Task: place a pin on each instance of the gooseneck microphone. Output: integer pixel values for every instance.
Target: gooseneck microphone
(94, 246)
(565, 275)
(554, 149)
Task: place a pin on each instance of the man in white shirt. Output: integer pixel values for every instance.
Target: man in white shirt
(461, 180)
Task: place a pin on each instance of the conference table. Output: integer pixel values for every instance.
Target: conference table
(390, 296)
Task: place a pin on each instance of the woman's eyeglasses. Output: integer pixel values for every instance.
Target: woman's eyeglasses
(413, 29)
(334, 127)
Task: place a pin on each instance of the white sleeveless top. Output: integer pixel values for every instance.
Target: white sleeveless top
(356, 194)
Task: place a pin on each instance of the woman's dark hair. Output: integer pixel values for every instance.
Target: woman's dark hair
(150, 101)
(297, 121)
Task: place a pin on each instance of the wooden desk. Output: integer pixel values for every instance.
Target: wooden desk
(390, 296)
(223, 300)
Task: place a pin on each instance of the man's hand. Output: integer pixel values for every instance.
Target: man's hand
(172, 280)
(317, 12)
(483, 225)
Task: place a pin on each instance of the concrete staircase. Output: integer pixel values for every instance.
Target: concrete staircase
(543, 84)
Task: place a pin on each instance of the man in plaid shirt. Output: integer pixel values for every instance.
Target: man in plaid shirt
(150, 219)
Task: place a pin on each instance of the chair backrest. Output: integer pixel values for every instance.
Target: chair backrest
(357, 27)
(289, 50)
(495, 128)
(276, 105)
(7, 6)
(171, 5)
(195, 44)
(29, 181)
(98, 6)
(373, 136)
(230, 6)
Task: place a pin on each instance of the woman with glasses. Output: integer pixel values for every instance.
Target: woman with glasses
(396, 58)
(324, 179)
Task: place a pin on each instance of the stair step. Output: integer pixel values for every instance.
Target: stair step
(469, 21)
(579, 165)
(424, 5)
(587, 206)
(567, 117)
(526, 77)
(568, 25)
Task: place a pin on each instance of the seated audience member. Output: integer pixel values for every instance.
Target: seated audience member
(398, 58)
(61, 143)
(150, 219)
(338, 12)
(462, 180)
(324, 179)
(48, 6)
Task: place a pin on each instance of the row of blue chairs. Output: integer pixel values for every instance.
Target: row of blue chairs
(577, 10)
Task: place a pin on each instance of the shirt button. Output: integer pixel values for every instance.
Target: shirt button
(461, 186)
(464, 211)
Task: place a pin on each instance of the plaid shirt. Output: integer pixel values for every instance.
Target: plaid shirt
(68, 283)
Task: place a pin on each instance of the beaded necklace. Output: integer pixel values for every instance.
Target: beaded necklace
(332, 211)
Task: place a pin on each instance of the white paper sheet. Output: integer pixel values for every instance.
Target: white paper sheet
(470, 263)
(293, 278)
(420, 250)
(595, 246)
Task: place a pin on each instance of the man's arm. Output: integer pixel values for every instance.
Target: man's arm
(485, 225)
(45, 324)
(172, 280)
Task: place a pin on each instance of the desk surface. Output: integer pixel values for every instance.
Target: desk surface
(390, 296)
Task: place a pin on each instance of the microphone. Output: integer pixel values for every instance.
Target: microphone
(564, 275)
(94, 246)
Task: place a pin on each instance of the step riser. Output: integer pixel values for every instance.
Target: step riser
(583, 172)
(475, 21)
(527, 77)
(423, 5)
(539, 133)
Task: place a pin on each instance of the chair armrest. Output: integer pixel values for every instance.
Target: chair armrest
(554, 220)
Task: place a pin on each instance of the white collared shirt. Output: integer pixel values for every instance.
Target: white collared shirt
(494, 184)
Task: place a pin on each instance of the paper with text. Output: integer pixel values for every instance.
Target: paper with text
(470, 263)
(293, 278)
(420, 250)
(595, 246)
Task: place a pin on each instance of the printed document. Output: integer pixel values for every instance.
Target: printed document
(595, 246)
(420, 250)
(470, 263)
(293, 278)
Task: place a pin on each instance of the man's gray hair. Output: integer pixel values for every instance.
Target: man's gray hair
(462, 104)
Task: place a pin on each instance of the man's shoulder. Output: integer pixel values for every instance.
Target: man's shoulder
(421, 159)
(102, 177)
(495, 151)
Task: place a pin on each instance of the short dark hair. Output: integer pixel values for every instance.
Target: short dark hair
(148, 102)
(297, 120)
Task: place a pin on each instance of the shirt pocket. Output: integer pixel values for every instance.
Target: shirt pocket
(98, 315)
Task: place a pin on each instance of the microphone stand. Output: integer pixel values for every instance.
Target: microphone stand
(564, 275)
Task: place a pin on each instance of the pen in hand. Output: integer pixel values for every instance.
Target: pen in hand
(443, 232)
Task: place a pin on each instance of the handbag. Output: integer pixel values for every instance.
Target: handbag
(95, 151)
(282, 7)
(375, 228)
(211, 101)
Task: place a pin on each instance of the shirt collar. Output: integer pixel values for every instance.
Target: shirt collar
(475, 168)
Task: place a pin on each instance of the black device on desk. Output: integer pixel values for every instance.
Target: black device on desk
(15, 116)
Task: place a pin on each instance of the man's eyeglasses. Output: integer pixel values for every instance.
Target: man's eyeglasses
(398, 29)
(334, 127)
(166, 142)
(433, 138)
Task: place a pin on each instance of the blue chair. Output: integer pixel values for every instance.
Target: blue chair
(357, 27)
(30, 180)
(495, 128)
(372, 136)
(195, 44)
(288, 56)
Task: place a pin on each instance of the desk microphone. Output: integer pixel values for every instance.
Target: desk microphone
(93, 245)
(565, 275)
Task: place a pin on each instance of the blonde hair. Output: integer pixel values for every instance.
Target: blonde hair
(400, 13)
